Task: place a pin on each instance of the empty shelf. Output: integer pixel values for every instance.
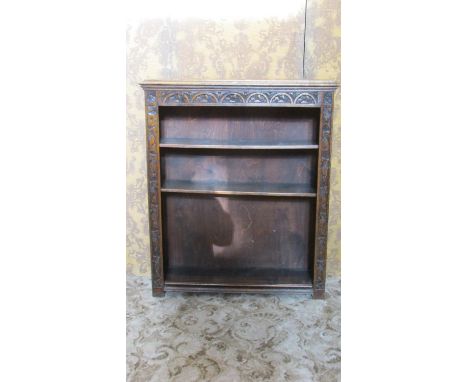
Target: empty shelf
(287, 190)
(180, 143)
(254, 277)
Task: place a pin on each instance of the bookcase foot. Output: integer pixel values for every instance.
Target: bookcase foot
(159, 292)
(318, 294)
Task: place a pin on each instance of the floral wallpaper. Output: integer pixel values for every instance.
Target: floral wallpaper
(323, 62)
(211, 48)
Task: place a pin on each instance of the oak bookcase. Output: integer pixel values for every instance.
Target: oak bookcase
(238, 185)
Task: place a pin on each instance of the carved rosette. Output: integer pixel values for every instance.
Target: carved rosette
(322, 197)
(152, 135)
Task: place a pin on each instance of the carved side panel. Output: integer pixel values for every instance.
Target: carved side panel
(152, 145)
(323, 189)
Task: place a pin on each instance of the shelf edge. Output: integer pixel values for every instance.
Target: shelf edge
(239, 147)
(248, 193)
(241, 289)
(239, 83)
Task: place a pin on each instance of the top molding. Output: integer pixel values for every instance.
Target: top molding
(153, 84)
(239, 93)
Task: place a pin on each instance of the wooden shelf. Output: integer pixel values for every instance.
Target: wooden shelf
(233, 145)
(282, 190)
(245, 277)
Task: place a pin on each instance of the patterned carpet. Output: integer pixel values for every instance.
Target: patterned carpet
(240, 337)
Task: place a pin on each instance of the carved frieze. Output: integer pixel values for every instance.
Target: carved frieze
(230, 96)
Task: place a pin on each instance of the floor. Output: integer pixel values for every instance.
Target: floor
(240, 337)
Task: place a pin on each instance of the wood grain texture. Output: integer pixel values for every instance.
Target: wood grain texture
(237, 233)
(323, 190)
(154, 84)
(294, 168)
(258, 189)
(239, 125)
(154, 196)
(236, 145)
(212, 221)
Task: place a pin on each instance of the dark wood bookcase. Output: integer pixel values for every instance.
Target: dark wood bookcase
(238, 185)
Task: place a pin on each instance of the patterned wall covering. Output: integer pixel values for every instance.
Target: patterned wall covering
(323, 62)
(210, 48)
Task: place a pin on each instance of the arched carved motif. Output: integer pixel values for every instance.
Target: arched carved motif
(281, 98)
(233, 98)
(176, 98)
(305, 98)
(257, 98)
(204, 98)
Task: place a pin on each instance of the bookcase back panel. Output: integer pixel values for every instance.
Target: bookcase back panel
(247, 125)
(214, 167)
(205, 232)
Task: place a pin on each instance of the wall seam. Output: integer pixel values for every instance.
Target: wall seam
(304, 47)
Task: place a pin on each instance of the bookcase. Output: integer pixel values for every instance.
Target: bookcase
(238, 185)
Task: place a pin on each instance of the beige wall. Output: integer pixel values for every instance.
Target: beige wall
(214, 48)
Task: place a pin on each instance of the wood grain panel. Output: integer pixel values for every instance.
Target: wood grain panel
(259, 125)
(234, 167)
(238, 233)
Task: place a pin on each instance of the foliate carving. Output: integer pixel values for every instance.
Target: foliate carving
(323, 190)
(204, 98)
(228, 96)
(152, 169)
(322, 202)
(281, 98)
(151, 99)
(257, 98)
(151, 138)
(325, 144)
(319, 284)
(153, 190)
(156, 268)
(176, 98)
(306, 98)
(328, 98)
(232, 98)
(320, 265)
(153, 186)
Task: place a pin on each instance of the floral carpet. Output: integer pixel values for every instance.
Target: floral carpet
(232, 337)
